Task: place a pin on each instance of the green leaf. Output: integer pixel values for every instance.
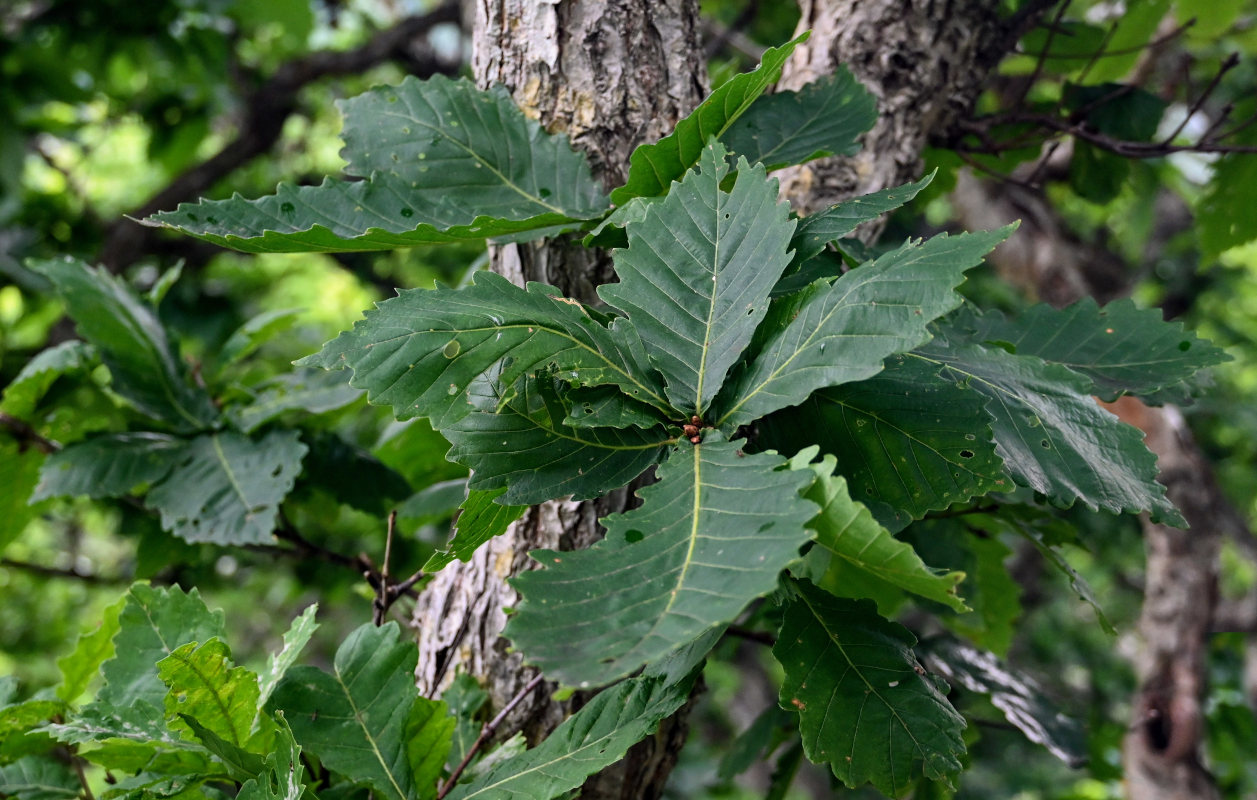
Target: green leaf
(143, 361)
(866, 705)
(35, 378)
(304, 391)
(420, 351)
(39, 777)
(519, 442)
(227, 487)
(696, 275)
(652, 167)
(110, 465)
(817, 230)
(709, 537)
(19, 475)
(847, 530)
(1121, 348)
(593, 738)
(1097, 175)
(429, 733)
(1224, 221)
(480, 520)
(908, 442)
(443, 162)
(607, 407)
(240, 763)
(1121, 111)
(255, 332)
(351, 474)
(1052, 435)
(283, 778)
(93, 648)
(205, 685)
(1020, 698)
(824, 118)
(295, 640)
(865, 316)
(360, 719)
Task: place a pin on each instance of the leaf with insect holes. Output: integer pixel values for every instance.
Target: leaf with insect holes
(420, 351)
(695, 277)
(866, 706)
(442, 160)
(652, 167)
(1052, 435)
(841, 332)
(516, 440)
(709, 537)
(907, 441)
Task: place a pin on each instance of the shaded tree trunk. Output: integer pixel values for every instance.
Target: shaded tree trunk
(610, 74)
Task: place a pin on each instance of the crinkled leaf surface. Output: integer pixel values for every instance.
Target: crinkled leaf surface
(359, 719)
(480, 520)
(283, 778)
(652, 167)
(907, 441)
(110, 465)
(132, 342)
(1052, 435)
(204, 684)
(255, 332)
(518, 441)
(607, 407)
(847, 530)
(696, 275)
(709, 537)
(824, 118)
(420, 351)
(596, 736)
(1121, 348)
(866, 705)
(841, 332)
(93, 648)
(443, 161)
(295, 639)
(227, 487)
(1020, 698)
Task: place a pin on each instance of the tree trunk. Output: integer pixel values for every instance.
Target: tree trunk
(610, 74)
(923, 60)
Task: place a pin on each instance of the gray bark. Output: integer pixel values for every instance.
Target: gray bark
(610, 74)
(925, 62)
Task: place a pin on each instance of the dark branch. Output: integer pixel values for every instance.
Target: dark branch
(486, 733)
(27, 436)
(265, 111)
(58, 572)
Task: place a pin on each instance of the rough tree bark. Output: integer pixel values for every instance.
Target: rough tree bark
(610, 74)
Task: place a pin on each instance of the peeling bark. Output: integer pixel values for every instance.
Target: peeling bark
(610, 74)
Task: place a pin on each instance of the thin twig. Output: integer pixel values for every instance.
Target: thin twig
(27, 436)
(379, 606)
(486, 733)
(1047, 46)
(1232, 61)
(78, 768)
(60, 572)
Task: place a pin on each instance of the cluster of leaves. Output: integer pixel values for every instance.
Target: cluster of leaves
(735, 336)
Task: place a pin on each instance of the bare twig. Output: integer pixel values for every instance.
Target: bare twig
(1232, 61)
(27, 436)
(78, 769)
(486, 733)
(59, 572)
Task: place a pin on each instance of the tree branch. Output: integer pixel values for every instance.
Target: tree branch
(264, 112)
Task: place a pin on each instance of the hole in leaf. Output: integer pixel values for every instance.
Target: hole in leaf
(406, 212)
(1184, 346)
(287, 208)
(275, 472)
(211, 220)
(544, 193)
(1045, 444)
(966, 454)
(633, 536)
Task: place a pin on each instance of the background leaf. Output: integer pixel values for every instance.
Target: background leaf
(695, 277)
(443, 160)
(109, 465)
(479, 520)
(283, 778)
(866, 705)
(709, 537)
(39, 777)
(227, 487)
(826, 117)
(132, 342)
(93, 648)
(295, 639)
